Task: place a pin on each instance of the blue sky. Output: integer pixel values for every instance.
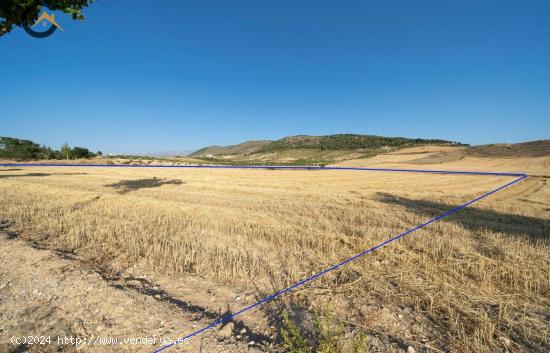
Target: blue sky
(172, 75)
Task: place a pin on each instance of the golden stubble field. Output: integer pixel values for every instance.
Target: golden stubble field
(476, 281)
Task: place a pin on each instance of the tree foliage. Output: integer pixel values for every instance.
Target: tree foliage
(19, 149)
(19, 12)
(12, 148)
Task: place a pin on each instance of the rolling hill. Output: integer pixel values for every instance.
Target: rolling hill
(304, 149)
(540, 148)
(244, 148)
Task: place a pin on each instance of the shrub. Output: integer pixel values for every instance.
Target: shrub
(329, 336)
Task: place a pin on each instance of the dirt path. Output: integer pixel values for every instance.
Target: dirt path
(44, 293)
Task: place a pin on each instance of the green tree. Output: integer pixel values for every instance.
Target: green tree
(47, 153)
(19, 12)
(13, 148)
(65, 151)
(80, 152)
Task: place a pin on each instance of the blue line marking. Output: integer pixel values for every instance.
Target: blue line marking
(435, 171)
(520, 176)
(334, 267)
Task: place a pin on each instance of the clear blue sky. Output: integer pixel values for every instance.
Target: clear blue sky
(149, 76)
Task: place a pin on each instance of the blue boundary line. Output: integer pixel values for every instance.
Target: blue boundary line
(434, 171)
(520, 176)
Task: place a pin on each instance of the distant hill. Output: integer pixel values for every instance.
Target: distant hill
(529, 149)
(304, 149)
(540, 148)
(244, 148)
(339, 142)
(349, 142)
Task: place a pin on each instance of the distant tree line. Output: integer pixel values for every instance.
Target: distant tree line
(12, 148)
(350, 142)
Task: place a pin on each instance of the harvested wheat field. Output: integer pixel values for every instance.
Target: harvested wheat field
(195, 244)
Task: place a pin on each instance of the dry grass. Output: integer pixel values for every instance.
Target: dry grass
(456, 158)
(478, 281)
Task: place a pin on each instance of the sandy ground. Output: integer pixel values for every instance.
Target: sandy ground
(50, 294)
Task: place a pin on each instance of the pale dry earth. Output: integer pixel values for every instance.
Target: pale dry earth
(50, 294)
(453, 158)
